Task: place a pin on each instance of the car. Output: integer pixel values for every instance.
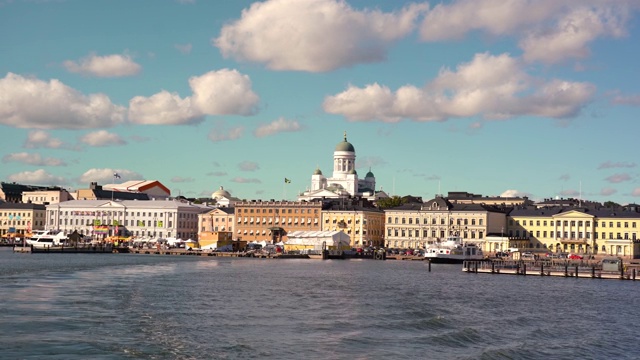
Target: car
(574, 257)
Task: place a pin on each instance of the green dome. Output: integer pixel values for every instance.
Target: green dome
(345, 145)
(369, 174)
(317, 172)
(353, 171)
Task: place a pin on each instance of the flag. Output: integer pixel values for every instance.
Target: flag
(287, 181)
(115, 175)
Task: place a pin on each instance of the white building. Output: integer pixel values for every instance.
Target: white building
(345, 182)
(46, 196)
(139, 218)
(153, 188)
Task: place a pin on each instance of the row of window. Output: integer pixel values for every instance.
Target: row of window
(619, 224)
(277, 220)
(434, 221)
(281, 211)
(432, 233)
(36, 223)
(20, 214)
(120, 213)
(572, 235)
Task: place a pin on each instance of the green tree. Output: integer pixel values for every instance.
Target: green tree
(391, 202)
(611, 204)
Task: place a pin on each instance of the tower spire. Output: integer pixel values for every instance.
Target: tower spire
(345, 135)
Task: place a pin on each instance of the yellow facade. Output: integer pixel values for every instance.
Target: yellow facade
(272, 220)
(364, 227)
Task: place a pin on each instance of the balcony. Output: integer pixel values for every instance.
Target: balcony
(573, 240)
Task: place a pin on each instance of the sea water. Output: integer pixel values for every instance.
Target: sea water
(125, 306)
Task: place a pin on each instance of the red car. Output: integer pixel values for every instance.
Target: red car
(574, 257)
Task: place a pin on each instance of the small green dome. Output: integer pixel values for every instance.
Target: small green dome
(353, 171)
(317, 172)
(369, 174)
(345, 145)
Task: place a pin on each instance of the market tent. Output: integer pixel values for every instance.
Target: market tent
(314, 240)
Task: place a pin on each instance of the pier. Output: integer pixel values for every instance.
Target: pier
(582, 269)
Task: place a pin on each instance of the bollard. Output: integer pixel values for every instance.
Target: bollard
(593, 271)
(634, 275)
(566, 270)
(622, 273)
(524, 269)
(429, 261)
(476, 267)
(518, 269)
(541, 269)
(493, 267)
(576, 271)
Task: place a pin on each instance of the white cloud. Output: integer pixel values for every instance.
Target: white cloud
(220, 133)
(633, 100)
(314, 35)
(636, 192)
(32, 159)
(163, 108)
(549, 30)
(102, 138)
(277, 126)
(243, 180)
(42, 139)
(514, 193)
(104, 66)
(248, 166)
(222, 92)
(494, 87)
(184, 48)
(32, 103)
(105, 176)
(38, 177)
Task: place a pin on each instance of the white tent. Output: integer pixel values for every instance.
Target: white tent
(315, 239)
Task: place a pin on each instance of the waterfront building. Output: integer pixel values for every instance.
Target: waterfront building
(270, 221)
(216, 224)
(582, 230)
(97, 192)
(358, 218)
(46, 197)
(417, 225)
(12, 192)
(19, 220)
(463, 197)
(103, 218)
(345, 182)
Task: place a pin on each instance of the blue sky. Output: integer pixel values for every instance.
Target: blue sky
(530, 98)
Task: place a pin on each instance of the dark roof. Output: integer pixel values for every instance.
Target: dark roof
(598, 212)
(228, 210)
(19, 188)
(21, 206)
(119, 195)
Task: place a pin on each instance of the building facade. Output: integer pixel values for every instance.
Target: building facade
(417, 225)
(46, 197)
(272, 220)
(142, 219)
(364, 225)
(19, 220)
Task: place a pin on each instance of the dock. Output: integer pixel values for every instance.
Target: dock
(586, 269)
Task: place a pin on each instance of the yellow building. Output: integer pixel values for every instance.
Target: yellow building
(364, 225)
(594, 230)
(272, 220)
(19, 220)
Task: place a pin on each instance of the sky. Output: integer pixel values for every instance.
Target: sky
(536, 98)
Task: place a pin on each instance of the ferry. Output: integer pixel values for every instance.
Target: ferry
(453, 251)
(47, 238)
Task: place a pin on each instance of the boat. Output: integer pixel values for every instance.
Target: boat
(454, 250)
(47, 238)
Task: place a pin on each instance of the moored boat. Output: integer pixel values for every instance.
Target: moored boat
(453, 250)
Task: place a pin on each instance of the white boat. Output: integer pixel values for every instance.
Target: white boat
(453, 250)
(47, 238)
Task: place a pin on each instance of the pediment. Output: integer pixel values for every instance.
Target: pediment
(573, 214)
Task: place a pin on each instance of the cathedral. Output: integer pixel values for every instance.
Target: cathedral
(345, 182)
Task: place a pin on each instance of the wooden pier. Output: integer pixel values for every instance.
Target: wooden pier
(591, 270)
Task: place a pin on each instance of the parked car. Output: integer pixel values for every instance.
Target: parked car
(574, 257)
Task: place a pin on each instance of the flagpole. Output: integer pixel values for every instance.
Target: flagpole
(114, 182)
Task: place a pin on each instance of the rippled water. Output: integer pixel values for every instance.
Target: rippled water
(103, 306)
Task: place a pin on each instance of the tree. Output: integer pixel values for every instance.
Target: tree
(391, 202)
(611, 204)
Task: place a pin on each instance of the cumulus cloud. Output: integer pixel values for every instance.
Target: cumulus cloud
(243, 180)
(32, 103)
(277, 126)
(221, 133)
(102, 138)
(180, 179)
(314, 35)
(618, 178)
(163, 108)
(548, 30)
(42, 139)
(514, 193)
(613, 165)
(32, 159)
(105, 175)
(494, 87)
(248, 166)
(38, 177)
(607, 191)
(184, 48)
(222, 92)
(104, 66)
(635, 192)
